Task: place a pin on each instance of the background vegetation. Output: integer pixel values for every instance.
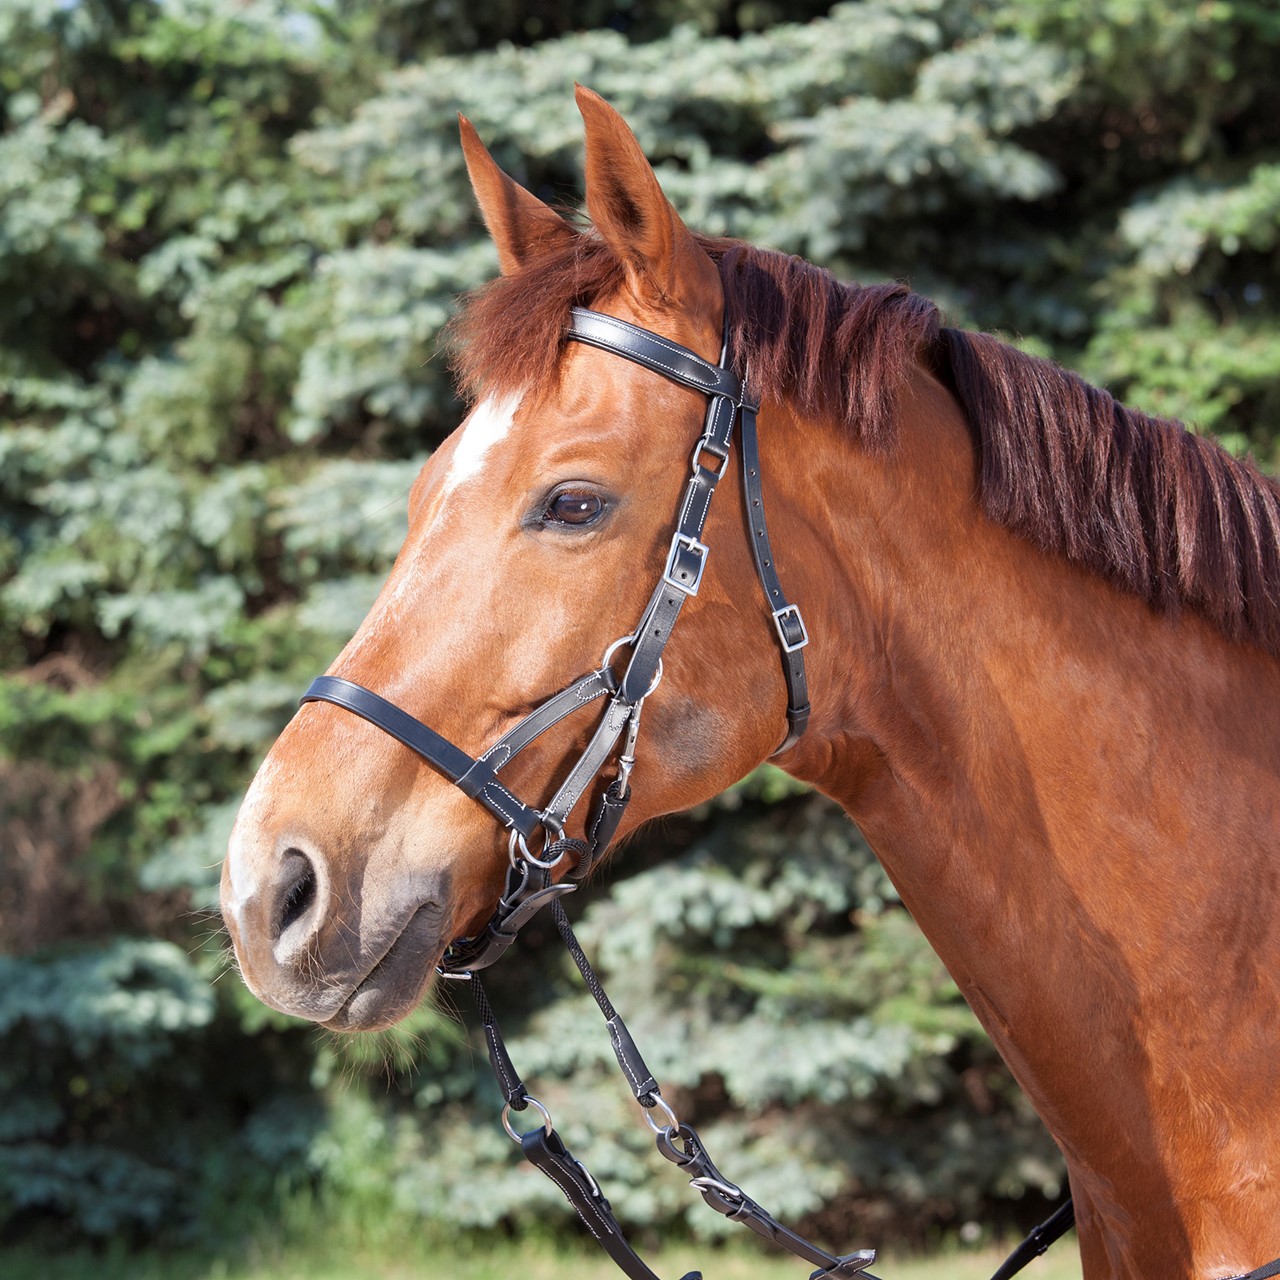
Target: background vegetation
(229, 237)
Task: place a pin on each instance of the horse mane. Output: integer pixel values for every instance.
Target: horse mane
(1156, 509)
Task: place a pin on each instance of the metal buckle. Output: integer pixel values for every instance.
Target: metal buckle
(685, 542)
(785, 613)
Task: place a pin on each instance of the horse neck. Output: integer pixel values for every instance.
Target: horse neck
(1077, 801)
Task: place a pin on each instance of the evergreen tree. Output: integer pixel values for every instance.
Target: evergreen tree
(229, 239)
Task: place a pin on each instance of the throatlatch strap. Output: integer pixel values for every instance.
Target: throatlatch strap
(792, 636)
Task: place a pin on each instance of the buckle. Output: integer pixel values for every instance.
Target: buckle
(781, 618)
(679, 573)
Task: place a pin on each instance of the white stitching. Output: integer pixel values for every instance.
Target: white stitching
(622, 1060)
(678, 373)
(558, 1176)
(513, 1083)
(493, 785)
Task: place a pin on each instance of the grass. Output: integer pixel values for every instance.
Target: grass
(418, 1260)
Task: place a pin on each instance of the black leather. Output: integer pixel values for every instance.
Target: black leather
(504, 1071)
(659, 354)
(1038, 1240)
(579, 694)
(589, 764)
(546, 1151)
(604, 825)
(790, 626)
(684, 1148)
(474, 777)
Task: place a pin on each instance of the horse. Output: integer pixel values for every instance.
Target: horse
(1043, 662)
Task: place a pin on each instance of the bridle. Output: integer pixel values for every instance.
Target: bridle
(529, 886)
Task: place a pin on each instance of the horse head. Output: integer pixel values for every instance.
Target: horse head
(536, 533)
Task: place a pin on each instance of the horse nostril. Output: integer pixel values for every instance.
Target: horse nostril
(300, 892)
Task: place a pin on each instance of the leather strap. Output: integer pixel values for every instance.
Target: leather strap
(1038, 1241)
(659, 354)
(681, 1144)
(545, 1150)
(604, 825)
(688, 555)
(590, 762)
(547, 714)
(684, 1148)
(1265, 1272)
(728, 402)
(475, 777)
(791, 633)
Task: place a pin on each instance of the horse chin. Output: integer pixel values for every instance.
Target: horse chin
(392, 989)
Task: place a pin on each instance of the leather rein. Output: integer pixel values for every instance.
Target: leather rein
(529, 886)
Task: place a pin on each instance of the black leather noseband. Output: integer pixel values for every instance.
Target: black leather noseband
(728, 406)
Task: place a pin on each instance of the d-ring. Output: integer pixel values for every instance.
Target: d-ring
(615, 646)
(537, 1106)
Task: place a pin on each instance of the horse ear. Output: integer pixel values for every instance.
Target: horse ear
(663, 261)
(520, 224)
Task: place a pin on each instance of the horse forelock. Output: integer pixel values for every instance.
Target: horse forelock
(1163, 513)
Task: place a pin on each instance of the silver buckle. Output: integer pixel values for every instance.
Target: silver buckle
(778, 616)
(699, 549)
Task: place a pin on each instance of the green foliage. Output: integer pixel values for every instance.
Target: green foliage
(229, 239)
(113, 1113)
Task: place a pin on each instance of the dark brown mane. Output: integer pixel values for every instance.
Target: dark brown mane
(1160, 511)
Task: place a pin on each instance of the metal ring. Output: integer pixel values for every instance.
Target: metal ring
(516, 839)
(702, 447)
(657, 680)
(533, 1102)
(615, 646)
(661, 1103)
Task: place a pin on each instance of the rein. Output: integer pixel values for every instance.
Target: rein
(529, 886)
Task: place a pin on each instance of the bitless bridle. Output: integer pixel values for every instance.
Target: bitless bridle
(529, 885)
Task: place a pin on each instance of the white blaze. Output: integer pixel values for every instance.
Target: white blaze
(488, 423)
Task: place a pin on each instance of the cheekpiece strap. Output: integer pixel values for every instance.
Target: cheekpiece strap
(687, 557)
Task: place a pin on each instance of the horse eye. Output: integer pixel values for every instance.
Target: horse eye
(575, 507)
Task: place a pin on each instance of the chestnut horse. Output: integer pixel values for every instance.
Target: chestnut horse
(1043, 669)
